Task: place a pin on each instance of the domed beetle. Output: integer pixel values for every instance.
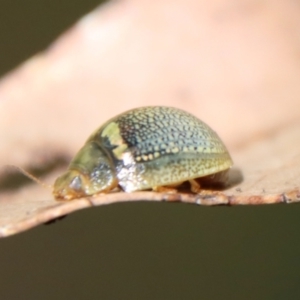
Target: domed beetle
(144, 148)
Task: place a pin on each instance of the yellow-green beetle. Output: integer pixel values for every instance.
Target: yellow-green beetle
(144, 148)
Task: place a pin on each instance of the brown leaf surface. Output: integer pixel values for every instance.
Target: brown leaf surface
(233, 64)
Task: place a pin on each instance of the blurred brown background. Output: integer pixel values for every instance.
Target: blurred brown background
(164, 251)
(29, 27)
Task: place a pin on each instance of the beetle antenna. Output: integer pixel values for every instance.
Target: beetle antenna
(32, 177)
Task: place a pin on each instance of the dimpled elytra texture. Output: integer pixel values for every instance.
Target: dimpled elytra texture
(159, 146)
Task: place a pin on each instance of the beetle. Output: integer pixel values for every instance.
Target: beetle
(144, 148)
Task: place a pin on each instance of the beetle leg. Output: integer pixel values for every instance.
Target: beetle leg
(165, 189)
(195, 186)
(171, 188)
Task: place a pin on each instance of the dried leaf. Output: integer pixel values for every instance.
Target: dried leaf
(266, 172)
(123, 56)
